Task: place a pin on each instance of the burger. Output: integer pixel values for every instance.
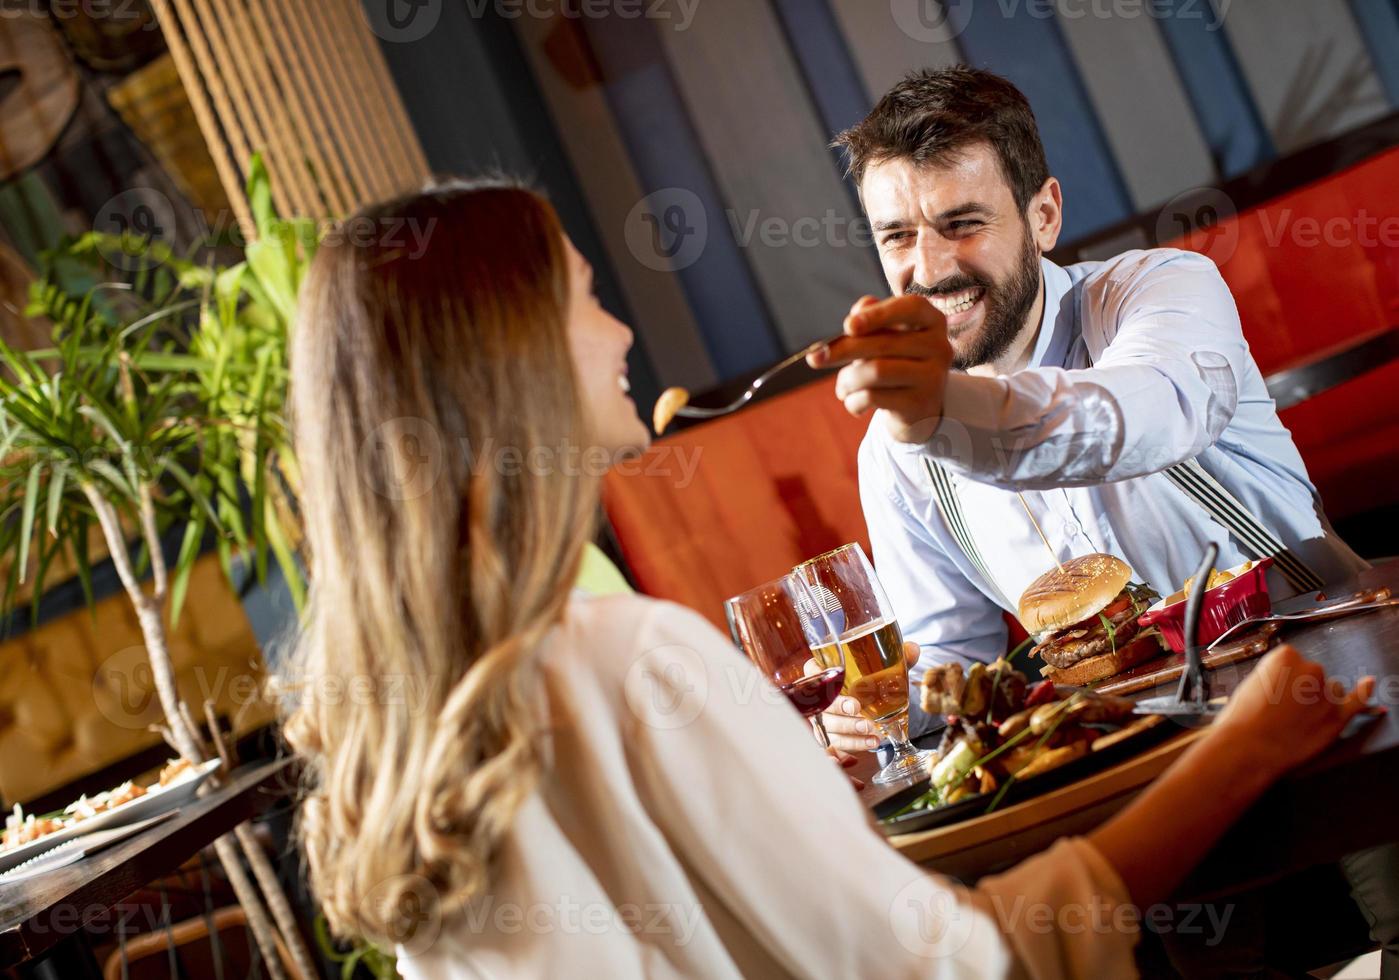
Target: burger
(1084, 618)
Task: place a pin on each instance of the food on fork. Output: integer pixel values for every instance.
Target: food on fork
(1084, 616)
(672, 400)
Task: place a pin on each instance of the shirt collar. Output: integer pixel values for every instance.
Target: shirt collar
(1056, 320)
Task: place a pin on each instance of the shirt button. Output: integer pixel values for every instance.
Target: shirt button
(1071, 529)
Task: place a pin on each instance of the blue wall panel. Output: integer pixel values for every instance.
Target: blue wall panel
(666, 154)
(1023, 43)
(1379, 24)
(1223, 105)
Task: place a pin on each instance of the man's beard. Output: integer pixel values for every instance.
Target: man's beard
(1007, 305)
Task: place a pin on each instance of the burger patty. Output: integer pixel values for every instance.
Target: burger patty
(1089, 638)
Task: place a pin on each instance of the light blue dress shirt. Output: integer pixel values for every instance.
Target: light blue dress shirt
(1139, 364)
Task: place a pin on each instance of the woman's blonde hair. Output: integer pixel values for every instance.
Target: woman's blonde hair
(417, 374)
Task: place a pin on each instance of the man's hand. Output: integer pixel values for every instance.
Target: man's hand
(895, 356)
(849, 731)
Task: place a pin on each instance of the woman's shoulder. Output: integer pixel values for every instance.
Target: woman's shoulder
(613, 634)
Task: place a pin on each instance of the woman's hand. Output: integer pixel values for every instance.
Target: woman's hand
(1283, 713)
(846, 761)
(1288, 710)
(850, 731)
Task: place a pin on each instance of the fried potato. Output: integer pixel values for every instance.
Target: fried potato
(672, 400)
(1054, 758)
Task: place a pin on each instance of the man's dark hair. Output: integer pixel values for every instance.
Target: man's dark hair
(935, 114)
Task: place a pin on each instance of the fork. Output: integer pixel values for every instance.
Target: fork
(695, 412)
(1360, 602)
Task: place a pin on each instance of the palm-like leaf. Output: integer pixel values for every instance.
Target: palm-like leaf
(164, 388)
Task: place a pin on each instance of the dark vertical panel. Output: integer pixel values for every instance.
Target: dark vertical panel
(674, 172)
(565, 69)
(476, 109)
(1021, 43)
(1223, 106)
(888, 40)
(1379, 24)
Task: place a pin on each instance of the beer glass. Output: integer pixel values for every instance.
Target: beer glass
(843, 589)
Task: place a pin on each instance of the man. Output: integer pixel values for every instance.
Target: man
(1116, 402)
(1067, 391)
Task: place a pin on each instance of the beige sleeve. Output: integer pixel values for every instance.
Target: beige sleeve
(1065, 912)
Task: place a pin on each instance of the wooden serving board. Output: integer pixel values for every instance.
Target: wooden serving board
(1167, 669)
(1006, 836)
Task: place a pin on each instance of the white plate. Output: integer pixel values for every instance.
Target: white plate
(156, 800)
(73, 851)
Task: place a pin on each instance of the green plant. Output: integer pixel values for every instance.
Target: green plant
(160, 407)
(165, 390)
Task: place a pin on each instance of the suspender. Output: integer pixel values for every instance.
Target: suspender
(1255, 539)
(1192, 480)
(951, 506)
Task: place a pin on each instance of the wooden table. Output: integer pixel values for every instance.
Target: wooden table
(42, 919)
(1345, 800)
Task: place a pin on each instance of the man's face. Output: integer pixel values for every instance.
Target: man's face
(954, 234)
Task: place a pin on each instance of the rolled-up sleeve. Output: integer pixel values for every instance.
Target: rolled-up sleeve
(1164, 388)
(1065, 912)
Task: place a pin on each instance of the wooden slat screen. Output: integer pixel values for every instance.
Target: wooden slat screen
(306, 85)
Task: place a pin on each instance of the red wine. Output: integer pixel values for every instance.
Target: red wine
(813, 695)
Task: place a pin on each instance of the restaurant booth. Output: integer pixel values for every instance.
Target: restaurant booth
(172, 163)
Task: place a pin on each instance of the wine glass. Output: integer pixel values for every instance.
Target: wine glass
(842, 586)
(766, 625)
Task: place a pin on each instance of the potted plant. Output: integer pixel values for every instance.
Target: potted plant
(159, 407)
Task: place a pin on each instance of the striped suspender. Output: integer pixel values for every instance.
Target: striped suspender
(1192, 480)
(951, 505)
(1190, 477)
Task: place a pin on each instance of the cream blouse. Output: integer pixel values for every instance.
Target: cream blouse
(687, 825)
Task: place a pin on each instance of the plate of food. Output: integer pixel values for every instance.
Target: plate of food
(28, 834)
(1007, 740)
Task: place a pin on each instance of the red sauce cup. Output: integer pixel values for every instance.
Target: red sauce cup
(1241, 598)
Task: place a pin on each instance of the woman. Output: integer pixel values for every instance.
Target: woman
(516, 779)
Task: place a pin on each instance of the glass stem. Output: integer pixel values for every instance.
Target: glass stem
(895, 730)
(819, 727)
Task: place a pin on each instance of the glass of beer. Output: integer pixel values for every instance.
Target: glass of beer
(765, 624)
(842, 588)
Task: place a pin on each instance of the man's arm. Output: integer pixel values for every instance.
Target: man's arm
(1163, 390)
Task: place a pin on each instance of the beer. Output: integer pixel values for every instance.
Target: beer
(875, 672)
